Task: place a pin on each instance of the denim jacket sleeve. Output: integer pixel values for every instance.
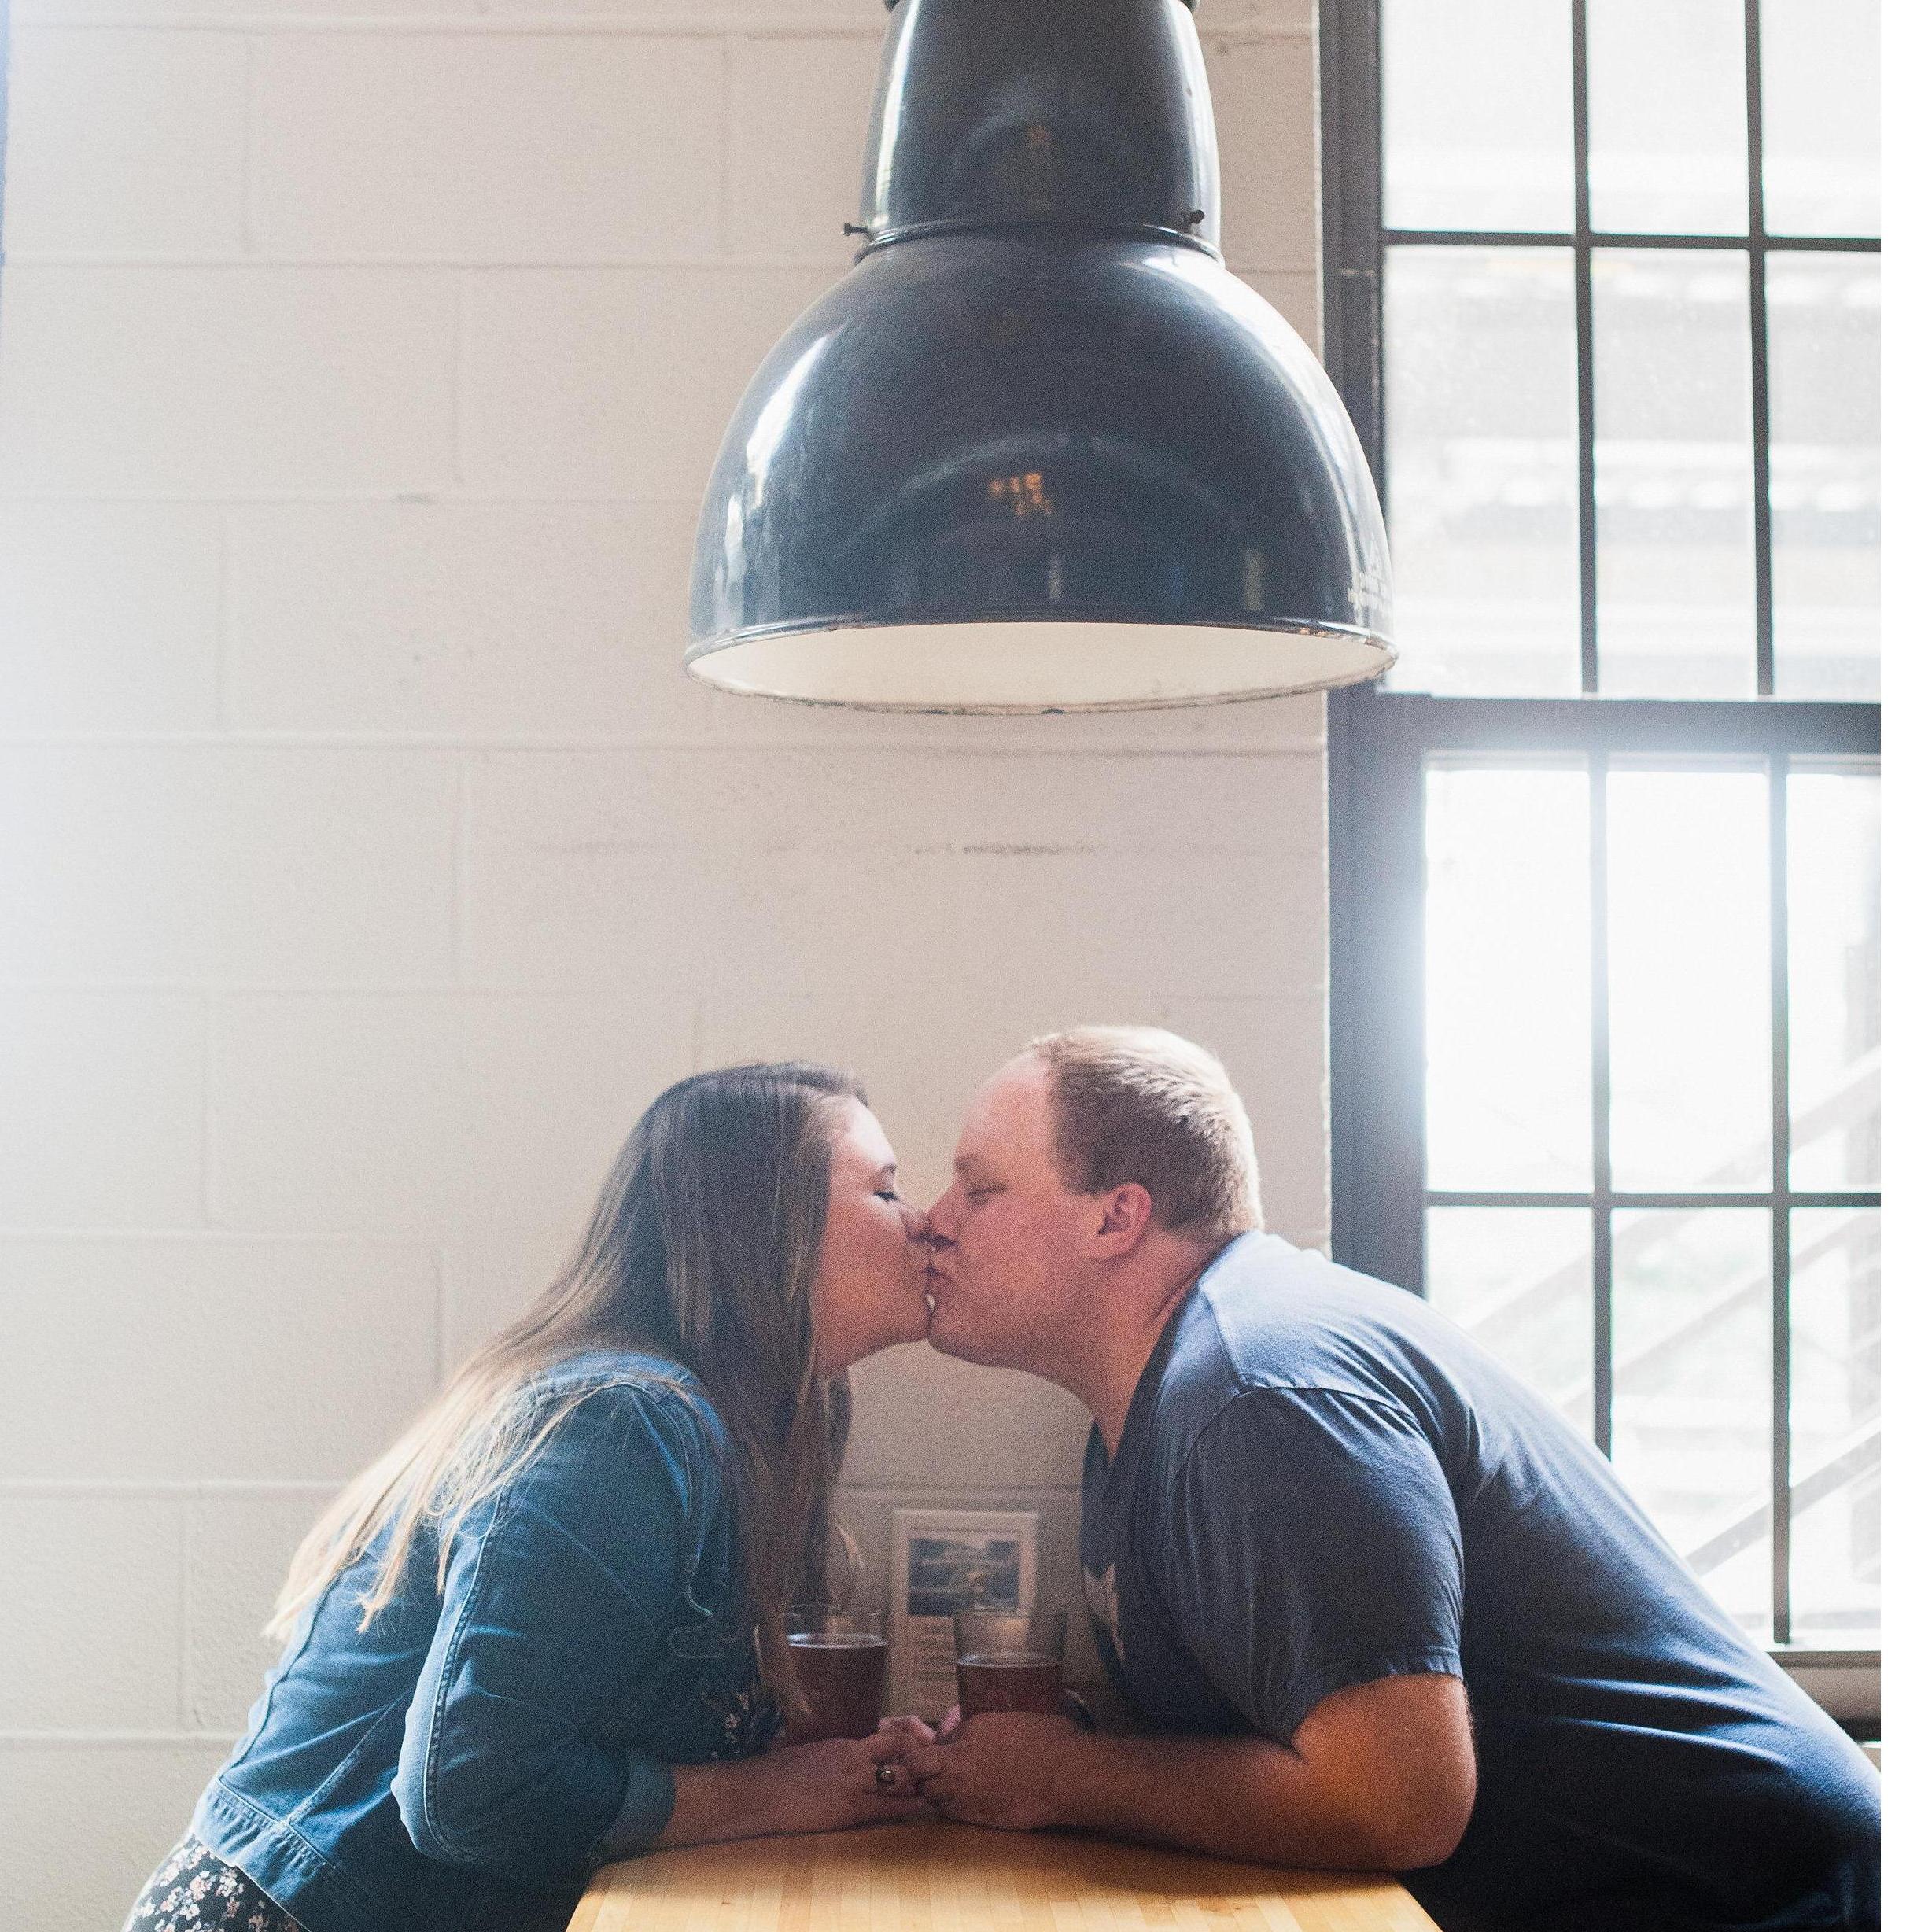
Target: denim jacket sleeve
(560, 1593)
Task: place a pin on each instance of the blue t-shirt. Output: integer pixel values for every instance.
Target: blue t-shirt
(1322, 1482)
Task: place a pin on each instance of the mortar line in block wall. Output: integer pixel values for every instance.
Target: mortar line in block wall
(476, 264)
(290, 989)
(113, 1740)
(586, 990)
(459, 378)
(1296, 747)
(469, 26)
(184, 1649)
(439, 1315)
(249, 111)
(234, 1238)
(161, 1489)
(209, 1030)
(460, 887)
(428, 261)
(224, 619)
(1289, 989)
(1253, 33)
(549, 499)
(496, 25)
(727, 79)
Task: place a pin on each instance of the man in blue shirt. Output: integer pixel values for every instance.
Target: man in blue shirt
(1375, 1604)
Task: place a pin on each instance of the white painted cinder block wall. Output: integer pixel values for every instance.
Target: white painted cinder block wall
(366, 862)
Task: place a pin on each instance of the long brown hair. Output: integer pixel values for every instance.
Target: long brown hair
(702, 1247)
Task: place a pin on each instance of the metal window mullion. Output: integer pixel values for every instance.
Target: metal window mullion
(1778, 775)
(1351, 240)
(1780, 1205)
(1761, 350)
(1585, 350)
(1361, 1111)
(1652, 1199)
(1601, 1310)
(1401, 1173)
(1661, 240)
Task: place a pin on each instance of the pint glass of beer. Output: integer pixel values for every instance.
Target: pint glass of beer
(1009, 1660)
(840, 1656)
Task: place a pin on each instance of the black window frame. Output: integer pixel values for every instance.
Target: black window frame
(1381, 743)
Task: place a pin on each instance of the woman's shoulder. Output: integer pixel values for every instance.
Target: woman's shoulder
(618, 1366)
(634, 1386)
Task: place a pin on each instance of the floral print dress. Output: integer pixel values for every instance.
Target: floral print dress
(192, 1890)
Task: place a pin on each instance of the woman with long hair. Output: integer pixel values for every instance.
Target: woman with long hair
(547, 1628)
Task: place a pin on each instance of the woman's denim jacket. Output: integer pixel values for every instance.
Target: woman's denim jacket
(469, 1759)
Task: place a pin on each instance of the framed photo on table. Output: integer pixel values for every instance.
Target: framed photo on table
(944, 1560)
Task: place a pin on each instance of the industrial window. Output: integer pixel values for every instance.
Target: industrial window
(1601, 292)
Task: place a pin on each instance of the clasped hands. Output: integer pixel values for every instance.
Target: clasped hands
(1005, 1769)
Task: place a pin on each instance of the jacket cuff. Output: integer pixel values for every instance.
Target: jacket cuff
(650, 1792)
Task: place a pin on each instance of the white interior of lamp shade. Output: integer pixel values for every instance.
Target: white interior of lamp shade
(1034, 666)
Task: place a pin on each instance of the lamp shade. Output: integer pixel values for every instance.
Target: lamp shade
(1038, 450)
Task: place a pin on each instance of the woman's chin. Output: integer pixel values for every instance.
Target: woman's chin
(919, 1301)
(911, 1329)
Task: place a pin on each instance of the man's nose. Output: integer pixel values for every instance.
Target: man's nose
(941, 1221)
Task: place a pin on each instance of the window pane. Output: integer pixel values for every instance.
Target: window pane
(1819, 62)
(1508, 952)
(1690, 978)
(1831, 855)
(1519, 1280)
(1676, 577)
(1666, 151)
(1480, 355)
(1835, 1426)
(1476, 114)
(1691, 1390)
(1823, 313)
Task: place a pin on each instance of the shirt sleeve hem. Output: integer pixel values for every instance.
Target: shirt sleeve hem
(650, 1794)
(1422, 1661)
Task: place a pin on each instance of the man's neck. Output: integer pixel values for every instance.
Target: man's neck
(1109, 1368)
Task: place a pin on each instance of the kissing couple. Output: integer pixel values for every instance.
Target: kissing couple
(1330, 1549)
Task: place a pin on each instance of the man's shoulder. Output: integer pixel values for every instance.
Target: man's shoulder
(1271, 1316)
(1271, 1321)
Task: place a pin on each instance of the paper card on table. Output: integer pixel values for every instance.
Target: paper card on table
(944, 1560)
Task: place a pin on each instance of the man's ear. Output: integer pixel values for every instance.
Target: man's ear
(1124, 1215)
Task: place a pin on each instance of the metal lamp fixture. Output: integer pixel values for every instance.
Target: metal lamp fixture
(1038, 450)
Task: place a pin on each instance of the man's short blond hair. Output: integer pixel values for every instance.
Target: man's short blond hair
(1136, 1104)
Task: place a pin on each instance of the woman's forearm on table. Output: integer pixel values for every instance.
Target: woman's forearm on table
(821, 1786)
(742, 1798)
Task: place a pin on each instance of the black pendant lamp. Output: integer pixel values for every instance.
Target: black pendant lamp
(1038, 450)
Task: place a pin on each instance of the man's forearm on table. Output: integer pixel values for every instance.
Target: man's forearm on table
(1246, 1798)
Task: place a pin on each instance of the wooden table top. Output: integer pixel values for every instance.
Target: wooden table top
(929, 1876)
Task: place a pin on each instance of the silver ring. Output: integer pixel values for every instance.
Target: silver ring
(886, 1776)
